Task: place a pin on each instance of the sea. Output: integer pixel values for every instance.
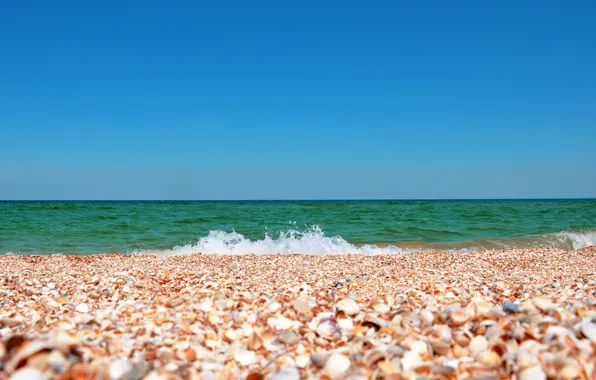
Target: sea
(293, 227)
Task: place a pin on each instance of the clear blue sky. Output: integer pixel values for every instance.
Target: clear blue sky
(305, 99)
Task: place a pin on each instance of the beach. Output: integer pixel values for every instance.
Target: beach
(525, 314)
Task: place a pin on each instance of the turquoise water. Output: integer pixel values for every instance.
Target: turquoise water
(315, 227)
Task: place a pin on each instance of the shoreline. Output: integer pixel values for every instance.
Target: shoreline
(445, 314)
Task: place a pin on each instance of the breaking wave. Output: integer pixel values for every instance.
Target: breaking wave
(313, 241)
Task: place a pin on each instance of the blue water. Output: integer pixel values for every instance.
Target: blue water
(316, 227)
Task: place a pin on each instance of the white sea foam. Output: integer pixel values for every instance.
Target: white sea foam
(313, 241)
(581, 239)
(310, 242)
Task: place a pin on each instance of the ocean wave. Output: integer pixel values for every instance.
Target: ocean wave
(310, 242)
(313, 241)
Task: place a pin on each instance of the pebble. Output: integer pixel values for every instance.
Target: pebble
(511, 307)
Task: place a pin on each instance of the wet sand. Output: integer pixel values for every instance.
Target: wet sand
(526, 314)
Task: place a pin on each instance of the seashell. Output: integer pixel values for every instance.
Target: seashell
(588, 328)
(270, 342)
(374, 356)
(244, 357)
(532, 373)
(381, 308)
(442, 332)
(346, 325)
(254, 342)
(461, 338)
(85, 371)
(286, 373)
(289, 338)
(427, 317)
(232, 335)
(301, 306)
(82, 308)
(119, 368)
(570, 372)
(411, 360)
(460, 316)
(24, 352)
(375, 323)
(319, 359)
(329, 328)
(28, 374)
(477, 345)
(10, 322)
(337, 366)
(490, 358)
(281, 323)
(348, 306)
(441, 347)
(543, 304)
(254, 376)
(396, 350)
(302, 361)
(419, 347)
(388, 367)
(57, 362)
(479, 306)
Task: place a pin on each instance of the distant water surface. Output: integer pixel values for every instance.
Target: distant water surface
(312, 227)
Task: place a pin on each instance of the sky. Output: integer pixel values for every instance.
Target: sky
(297, 100)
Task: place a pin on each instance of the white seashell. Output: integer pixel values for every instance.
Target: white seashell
(427, 317)
(244, 357)
(301, 306)
(532, 373)
(337, 365)
(348, 306)
(281, 323)
(286, 373)
(28, 374)
(419, 347)
(119, 369)
(319, 359)
(329, 328)
(381, 308)
(57, 361)
(346, 325)
(302, 361)
(588, 328)
(82, 308)
(477, 345)
(24, 352)
(544, 304)
(411, 360)
(155, 375)
(52, 303)
(275, 306)
(171, 367)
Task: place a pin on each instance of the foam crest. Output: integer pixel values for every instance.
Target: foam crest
(581, 238)
(313, 241)
(310, 242)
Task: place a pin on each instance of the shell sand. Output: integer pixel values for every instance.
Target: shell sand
(518, 314)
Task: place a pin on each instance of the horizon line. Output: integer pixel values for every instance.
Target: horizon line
(296, 199)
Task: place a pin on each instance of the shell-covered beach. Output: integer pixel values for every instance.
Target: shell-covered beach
(515, 314)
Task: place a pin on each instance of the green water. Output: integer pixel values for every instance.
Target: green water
(99, 227)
